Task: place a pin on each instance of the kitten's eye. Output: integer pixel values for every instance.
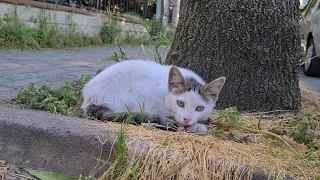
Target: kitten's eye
(180, 103)
(200, 108)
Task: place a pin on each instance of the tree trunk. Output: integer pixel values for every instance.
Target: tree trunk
(254, 43)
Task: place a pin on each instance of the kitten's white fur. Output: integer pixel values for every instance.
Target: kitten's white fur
(137, 82)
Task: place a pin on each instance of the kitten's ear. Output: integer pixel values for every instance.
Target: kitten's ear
(213, 89)
(176, 82)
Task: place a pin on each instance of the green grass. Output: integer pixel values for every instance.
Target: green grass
(119, 168)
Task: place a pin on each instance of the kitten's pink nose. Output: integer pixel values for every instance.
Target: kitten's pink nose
(186, 120)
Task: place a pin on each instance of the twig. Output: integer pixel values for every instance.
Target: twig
(269, 112)
(258, 126)
(93, 172)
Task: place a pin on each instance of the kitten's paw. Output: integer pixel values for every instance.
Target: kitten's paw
(169, 123)
(197, 129)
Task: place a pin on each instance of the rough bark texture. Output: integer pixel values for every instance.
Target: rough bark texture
(254, 43)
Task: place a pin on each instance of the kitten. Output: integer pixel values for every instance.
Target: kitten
(169, 95)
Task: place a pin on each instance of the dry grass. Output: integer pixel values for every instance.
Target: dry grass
(179, 155)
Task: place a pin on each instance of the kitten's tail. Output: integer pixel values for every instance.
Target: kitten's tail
(105, 114)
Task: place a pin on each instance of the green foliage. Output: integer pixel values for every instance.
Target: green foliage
(117, 56)
(121, 55)
(129, 119)
(120, 164)
(302, 133)
(141, 108)
(292, 122)
(57, 100)
(109, 31)
(47, 34)
(118, 170)
(13, 33)
(155, 27)
(132, 40)
(49, 175)
(157, 32)
(310, 155)
(78, 84)
(230, 117)
(121, 153)
(62, 100)
(215, 132)
(273, 149)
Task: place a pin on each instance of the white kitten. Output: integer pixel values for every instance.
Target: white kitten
(168, 95)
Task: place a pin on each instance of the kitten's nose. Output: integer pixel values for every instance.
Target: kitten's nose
(186, 120)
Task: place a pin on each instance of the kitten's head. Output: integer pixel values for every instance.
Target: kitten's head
(190, 101)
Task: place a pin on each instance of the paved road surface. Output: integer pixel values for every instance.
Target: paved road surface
(54, 67)
(312, 83)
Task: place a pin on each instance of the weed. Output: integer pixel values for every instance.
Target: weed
(121, 153)
(229, 117)
(65, 99)
(117, 57)
(132, 40)
(119, 170)
(302, 133)
(15, 34)
(157, 32)
(129, 119)
(57, 100)
(273, 149)
(109, 31)
(121, 55)
(141, 108)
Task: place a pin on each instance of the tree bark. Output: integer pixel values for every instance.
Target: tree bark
(254, 43)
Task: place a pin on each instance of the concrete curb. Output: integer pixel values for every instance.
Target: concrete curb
(69, 145)
(46, 141)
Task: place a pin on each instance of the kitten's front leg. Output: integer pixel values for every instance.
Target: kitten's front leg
(197, 128)
(166, 122)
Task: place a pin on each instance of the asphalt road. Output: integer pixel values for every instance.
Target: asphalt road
(54, 67)
(312, 83)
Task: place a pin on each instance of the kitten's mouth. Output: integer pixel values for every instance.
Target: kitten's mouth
(185, 124)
